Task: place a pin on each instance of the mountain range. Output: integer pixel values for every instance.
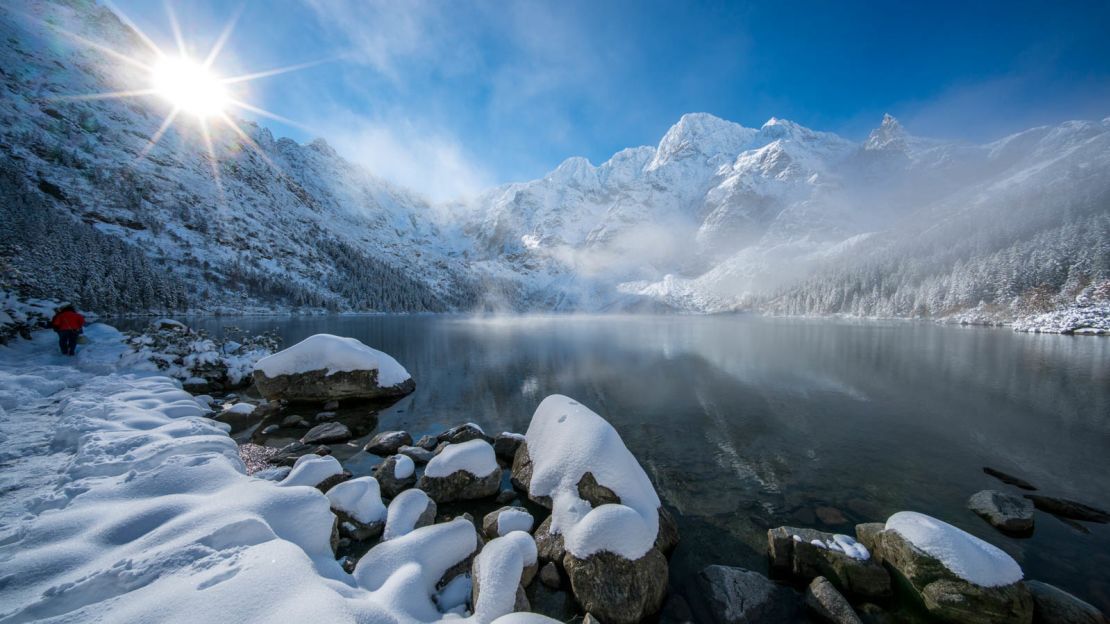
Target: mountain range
(715, 217)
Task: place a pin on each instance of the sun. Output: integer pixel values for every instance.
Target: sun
(189, 86)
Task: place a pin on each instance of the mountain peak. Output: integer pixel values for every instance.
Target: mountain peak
(890, 135)
(701, 133)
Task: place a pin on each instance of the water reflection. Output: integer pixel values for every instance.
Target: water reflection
(746, 423)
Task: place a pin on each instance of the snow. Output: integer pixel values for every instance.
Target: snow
(514, 519)
(404, 467)
(360, 498)
(312, 469)
(566, 440)
(841, 543)
(498, 570)
(404, 510)
(334, 354)
(965, 555)
(240, 408)
(475, 456)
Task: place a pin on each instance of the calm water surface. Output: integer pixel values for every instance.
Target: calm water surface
(747, 423)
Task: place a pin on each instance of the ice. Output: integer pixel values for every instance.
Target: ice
(475, 456)
(333, 354)
(404, 510)
(404, 467)
(566, 440)
(497, 571)
(965, 555)
(514, 519)
(311, 470)
(360, 498)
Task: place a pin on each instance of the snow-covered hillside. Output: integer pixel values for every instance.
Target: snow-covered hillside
(716, 217)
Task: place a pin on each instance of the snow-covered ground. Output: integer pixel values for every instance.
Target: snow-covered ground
(123, 502)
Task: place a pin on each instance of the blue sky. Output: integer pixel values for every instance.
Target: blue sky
(449, 97)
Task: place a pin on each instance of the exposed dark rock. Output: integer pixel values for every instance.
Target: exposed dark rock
(388, 442)
(1069, 509)
(355, 530)
(416, 454)
(386, 474)
(290, 453)
(1009, 479)
(490, 521)
(1052, 605)
(615, 589)
(724, 595)
(594, 493)
(823, 599)
(427, 442)
(549, 575)
(327, 433)
(463, 433)
(461, 485)
(506, 497)
(333, 481)
(667, 539)
(549, 546)
(322, 450)
(1006, 512)
(505, 446)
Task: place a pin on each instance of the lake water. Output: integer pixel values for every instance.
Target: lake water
(747, 423)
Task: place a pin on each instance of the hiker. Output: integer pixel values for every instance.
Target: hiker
(69, 323)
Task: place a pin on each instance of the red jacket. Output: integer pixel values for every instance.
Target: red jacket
(67, 320)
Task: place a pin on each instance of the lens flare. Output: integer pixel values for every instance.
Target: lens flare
(189, 86)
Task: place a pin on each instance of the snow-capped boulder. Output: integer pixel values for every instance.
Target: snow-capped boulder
(387, 442)
(463, 471)
(499, 574)
(605, 511)
(312, 470)
(806, 554)
(959, 577)
(325, 367)
(358, 505)
(505, 520)
(410, 510)
(395, 475)
(1005, 512)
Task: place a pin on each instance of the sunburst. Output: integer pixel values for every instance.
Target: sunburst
(193, 88)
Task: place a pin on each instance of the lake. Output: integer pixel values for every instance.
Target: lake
(746, 423)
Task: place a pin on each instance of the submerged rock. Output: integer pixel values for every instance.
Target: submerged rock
(1009, 479)
(327, 433)
(1052, 605)
(324, 368)
(725, 595)
(823, 599)
(1069, 509)
(1006, 512)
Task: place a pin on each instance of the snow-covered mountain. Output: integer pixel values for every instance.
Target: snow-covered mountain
(714, 217)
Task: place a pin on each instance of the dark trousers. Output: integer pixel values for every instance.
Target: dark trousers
(67, 340)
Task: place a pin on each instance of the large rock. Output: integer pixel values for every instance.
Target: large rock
(395, 475)
(327, 433)
(615, 589)
(1052, 605)
(323, 368)
(1005, 512)
(724, 595)
(450, 475)
(388, 442)
(506, 444)
(823, 599)
(794, 553)
(947, 595)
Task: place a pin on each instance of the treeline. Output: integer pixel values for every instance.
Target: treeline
(49, 255)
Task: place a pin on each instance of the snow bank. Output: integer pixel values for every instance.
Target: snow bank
(359, 498)
(565, 441)
(333, 354)
(514, 519)
(497, 572)
(965, 555)
(404, 510)
(475, 457)
(312, 469)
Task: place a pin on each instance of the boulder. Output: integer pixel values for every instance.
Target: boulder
(324, 368)
(465, 471)
(823, 599)
(993, 595)
(615, 589)
(501, 521)
(463, 433)
(506, 444)
(724, 595)
(1005, 512)
(793, 553)
(388, 442)
(416, 454)
(1052, 605)
(327, 433)
(395, 475)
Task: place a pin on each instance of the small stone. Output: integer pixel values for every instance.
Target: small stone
(506, 444)
(427, 442)
(331, 406)
(327, 433)
(322, 450)
(388, 442)
(322, 416)
(292, 420)
(829, 604)
(416, 454)
(1005, 512)
(549, 576)
(464, 433)
(505, 497)
(270, 429)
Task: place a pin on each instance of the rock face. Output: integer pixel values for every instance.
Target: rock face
(949, 597)
(324, 368)
(1006, 512)
(387, 471)
(1052, 605)
(725, 595)
(388, 442)
(617, 590)
(823, 599)
(800, 558)
(327, 433)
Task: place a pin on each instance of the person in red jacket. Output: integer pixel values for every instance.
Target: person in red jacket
(69, 323)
